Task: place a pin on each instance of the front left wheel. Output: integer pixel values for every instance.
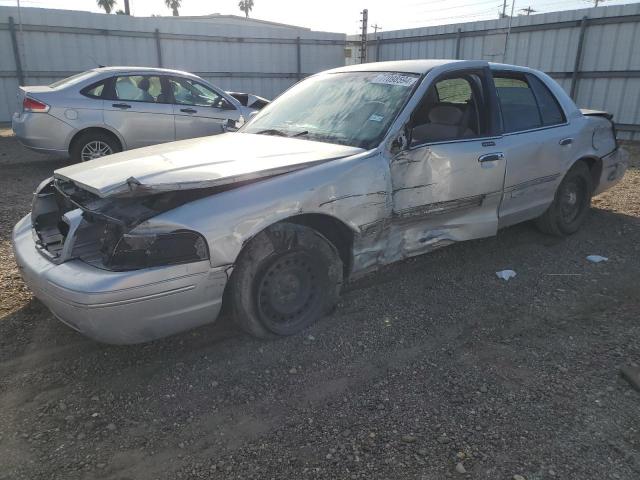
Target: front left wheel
(286, 278)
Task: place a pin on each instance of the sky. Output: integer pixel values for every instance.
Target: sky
(338, 15)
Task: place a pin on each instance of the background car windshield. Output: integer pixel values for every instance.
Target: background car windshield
(352, 108)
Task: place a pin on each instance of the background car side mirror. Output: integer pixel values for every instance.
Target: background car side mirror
(226, 105)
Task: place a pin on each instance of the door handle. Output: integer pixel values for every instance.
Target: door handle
(188, 110)
(491, 157)
(566, 141)
(121, 105)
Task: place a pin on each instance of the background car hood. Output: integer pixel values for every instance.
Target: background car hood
(199, 163)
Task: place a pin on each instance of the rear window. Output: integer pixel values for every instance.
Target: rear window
(77, 78)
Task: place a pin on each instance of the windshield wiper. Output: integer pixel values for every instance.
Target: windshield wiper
(272, 131)
(281, 133)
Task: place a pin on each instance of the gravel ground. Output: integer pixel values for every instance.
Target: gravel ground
(432, 368)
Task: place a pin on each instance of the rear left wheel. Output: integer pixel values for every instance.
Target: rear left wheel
(92, 145)
(571, 203)
(286, 278)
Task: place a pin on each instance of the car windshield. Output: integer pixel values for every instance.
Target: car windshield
(349, 108)
(78, 77)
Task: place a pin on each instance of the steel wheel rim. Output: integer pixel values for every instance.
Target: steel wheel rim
(288, 291)
(95, 149)
(572, 200)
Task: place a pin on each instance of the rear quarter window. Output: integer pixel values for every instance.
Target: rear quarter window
(550, 109)
(95, 90)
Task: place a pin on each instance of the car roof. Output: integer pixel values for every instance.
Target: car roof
(421, 67)
(140, 69)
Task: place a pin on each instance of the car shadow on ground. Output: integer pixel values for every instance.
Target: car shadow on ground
(34, 328)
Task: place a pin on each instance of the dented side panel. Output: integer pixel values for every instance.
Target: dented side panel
(440, 194)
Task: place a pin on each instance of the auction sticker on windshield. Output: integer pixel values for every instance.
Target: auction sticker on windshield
(395, 79)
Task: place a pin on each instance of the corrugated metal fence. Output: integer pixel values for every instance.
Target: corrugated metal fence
(52, 44)
(593, 53)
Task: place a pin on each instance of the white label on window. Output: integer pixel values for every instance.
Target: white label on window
(376, 118)
(395, 79)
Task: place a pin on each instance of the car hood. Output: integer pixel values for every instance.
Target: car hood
(199, 163)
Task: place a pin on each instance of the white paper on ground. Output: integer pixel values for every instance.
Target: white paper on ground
(597, 258)
(506, 274)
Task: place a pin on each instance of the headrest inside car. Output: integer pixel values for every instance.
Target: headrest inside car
(144, 84)
(445, 114)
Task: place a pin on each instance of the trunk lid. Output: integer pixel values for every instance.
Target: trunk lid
(36, 92)
(199, 163)
(596, 113)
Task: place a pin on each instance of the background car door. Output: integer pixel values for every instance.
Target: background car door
(537, 144)
(199, 110)
(447, 185)
(137, 107)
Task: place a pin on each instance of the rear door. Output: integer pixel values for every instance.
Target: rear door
(137, 107)
(537, 142)
(447, 185)
(199, 110)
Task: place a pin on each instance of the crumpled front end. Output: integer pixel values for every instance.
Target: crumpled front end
(85, 261)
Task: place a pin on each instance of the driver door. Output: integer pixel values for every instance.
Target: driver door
(199, 110)
(447, 184)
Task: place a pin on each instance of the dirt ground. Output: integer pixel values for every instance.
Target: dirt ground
(428, 369)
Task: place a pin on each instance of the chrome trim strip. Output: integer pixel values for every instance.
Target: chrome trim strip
(531, 183)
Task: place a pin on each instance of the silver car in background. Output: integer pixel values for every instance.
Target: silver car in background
(398, 159)
(111, 109)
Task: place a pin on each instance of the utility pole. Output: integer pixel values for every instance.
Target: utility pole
(127, 11)
(376, 27)
(504, 9)
(363, 42)
(528, 11)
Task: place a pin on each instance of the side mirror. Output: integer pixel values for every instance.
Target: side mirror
(400, 142)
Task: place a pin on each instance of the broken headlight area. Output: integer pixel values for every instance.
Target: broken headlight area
(135, 251)
(101, 231)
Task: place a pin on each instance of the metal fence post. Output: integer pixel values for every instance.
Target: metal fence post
(158, 48)
(458, 41)
(575, 76)
(16, 51)
(299, 58)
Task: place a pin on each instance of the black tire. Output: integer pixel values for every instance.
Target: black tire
(571, 204)
(81, 145)
(285, 278)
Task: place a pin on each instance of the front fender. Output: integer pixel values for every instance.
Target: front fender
(354, 190)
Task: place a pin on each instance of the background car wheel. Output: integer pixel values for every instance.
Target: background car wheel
(91, 145)
(571, 204)
(285, 279)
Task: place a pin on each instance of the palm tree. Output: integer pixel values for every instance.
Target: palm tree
(106, 5)
(246, 6)
(173, 5)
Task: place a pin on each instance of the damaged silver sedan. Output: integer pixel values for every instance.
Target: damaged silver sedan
(348, 170)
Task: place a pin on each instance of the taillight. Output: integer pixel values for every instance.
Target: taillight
(32, 105)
